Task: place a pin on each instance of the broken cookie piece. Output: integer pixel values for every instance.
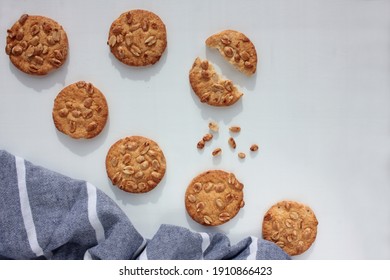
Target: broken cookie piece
(236, 48)
(210, 87)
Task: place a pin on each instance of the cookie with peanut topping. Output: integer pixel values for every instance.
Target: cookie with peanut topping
(80, 110)
(291, 225)
(137, 38)
(210, 87)
(236, 48)
(135, 164)
(214, 197)
(37, 45)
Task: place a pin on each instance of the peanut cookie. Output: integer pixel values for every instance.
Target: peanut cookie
(214, 197)
(291, 225)
(137, 38)
(36, 45)
(210, 87)
(236, 48)
(80, 110)
(135, 164)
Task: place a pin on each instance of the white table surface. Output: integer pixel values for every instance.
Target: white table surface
(318, 107)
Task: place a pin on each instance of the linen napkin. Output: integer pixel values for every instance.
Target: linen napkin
(46, 215)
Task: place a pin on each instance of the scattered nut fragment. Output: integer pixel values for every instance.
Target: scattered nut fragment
(232, 143)
(217, 152)
(200, 144)
(207, 137)
(241, 155)
(213, 126)
(254, 148)
(235, 129)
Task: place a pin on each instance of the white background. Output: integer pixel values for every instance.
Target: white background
(318, 107)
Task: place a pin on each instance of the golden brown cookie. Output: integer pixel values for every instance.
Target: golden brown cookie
(80, 110)
(138, 38)
(291, 225)
(135, 164)
(210, 87)
(214, 197)
(37, 45)
(236, 48)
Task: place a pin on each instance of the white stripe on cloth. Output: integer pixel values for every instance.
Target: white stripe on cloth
(205, 242)
(93, 217)
(252, 249)
(26, 208)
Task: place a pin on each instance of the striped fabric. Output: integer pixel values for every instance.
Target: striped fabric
(46, 215)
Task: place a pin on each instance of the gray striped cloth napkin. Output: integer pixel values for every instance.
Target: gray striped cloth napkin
(46, 215)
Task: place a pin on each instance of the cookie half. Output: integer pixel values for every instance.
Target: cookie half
(37, 45)
(236, 48)
(135, 164)
(137, 38)
(80, 110)
(210, 87)
(214, 197)
(291, 225)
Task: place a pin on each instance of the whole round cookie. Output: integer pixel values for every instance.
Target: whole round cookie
(37, 45)
(291, 225)
(137, 38)
(210, 87)
(214, 197)
(135, 164)
(236, 48)
(80, 110)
